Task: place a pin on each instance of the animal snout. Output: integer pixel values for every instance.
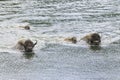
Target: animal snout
(29, 49)
(96, 42)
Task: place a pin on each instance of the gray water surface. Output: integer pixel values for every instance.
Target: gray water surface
(51, 21)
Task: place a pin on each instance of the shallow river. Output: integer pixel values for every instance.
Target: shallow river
(51, 21)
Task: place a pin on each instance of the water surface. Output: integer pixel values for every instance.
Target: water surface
(51, 21)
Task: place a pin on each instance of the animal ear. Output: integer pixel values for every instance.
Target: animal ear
(35, 43)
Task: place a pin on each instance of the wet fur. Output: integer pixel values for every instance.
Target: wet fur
(25, 45)
(92, 39)
(72, 39)
(27, 27)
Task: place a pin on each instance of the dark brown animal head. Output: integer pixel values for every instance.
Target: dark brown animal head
(74, 40)
(95, 39)
(29, 45)
(27, 27)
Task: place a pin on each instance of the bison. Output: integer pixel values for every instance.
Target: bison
(71, 39)
(93, 39)
(26, 27)
(25, 45)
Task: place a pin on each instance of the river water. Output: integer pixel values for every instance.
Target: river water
(51, 21)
